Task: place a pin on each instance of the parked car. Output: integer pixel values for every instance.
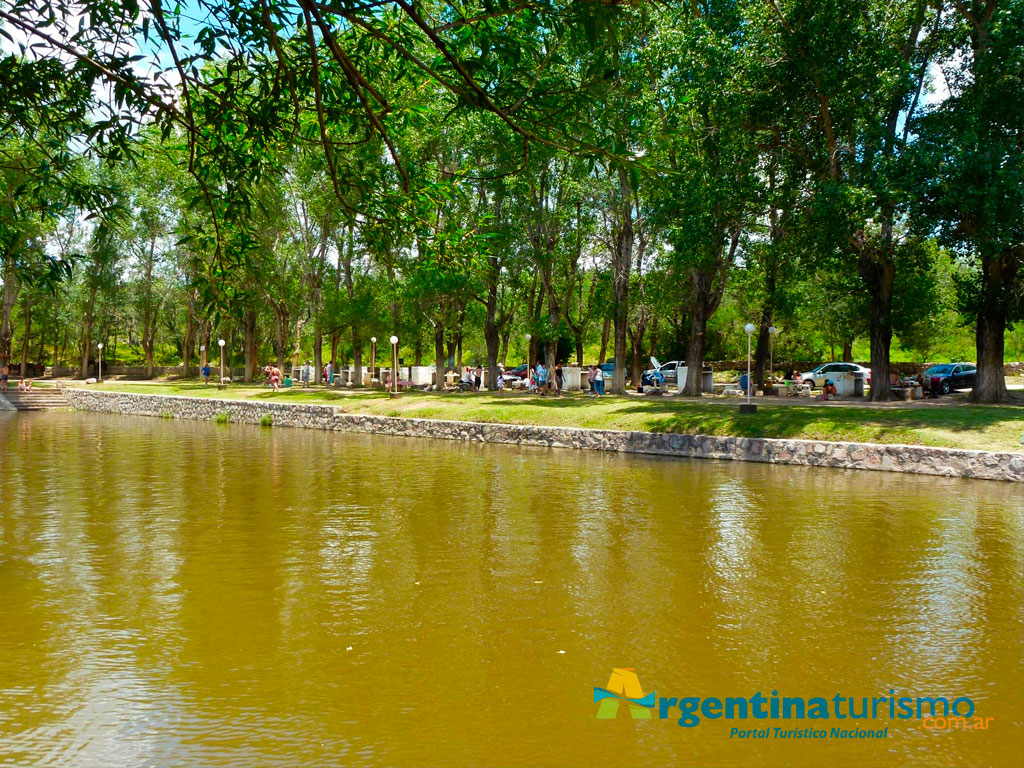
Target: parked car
(818, 375)
(951, 376)
(668, 371)
(519, 372)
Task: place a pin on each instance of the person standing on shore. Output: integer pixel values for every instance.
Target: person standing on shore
(5, 374)
(559, 380)
(207, 370)
(590, 381)
(599, 381)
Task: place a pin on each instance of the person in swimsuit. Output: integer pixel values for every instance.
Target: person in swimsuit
(5, 373)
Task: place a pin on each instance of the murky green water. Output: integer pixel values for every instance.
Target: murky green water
(188, 593)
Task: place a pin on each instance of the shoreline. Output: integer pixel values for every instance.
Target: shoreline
(911, 459)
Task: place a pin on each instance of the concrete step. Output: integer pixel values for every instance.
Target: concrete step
(37, 400)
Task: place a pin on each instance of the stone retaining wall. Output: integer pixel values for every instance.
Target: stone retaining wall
(894, 458)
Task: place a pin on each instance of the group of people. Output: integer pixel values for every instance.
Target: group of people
(24, 385)
(472, 379)
(272, 376)
(827, 391)
(548, 378)
(595, 375)
(543, 379)
(551, 378)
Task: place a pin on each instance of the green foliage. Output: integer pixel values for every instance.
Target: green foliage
(296, 178)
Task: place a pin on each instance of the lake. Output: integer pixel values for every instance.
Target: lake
(217, 595)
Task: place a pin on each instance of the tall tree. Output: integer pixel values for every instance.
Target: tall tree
(971, 167)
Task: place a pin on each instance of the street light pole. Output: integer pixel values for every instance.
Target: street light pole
(373, 357)
(221, 343)
(748, 407)
(100, 348)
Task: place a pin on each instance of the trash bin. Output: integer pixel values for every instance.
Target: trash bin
(845, 384)
(858, 383)
(707, 382)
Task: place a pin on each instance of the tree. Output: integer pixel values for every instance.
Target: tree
(848, 75)
(971, 168)
(707, 199)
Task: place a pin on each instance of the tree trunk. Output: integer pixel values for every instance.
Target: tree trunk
(622, 262)
(505, 336)
(357, 356)
(250, 345)
(318, 349)
(281, 332)
(12, 285)
(491, 335)
(439, 358)
(204, 343)
(83, 370)
(878, 272)
(147, 348)
(848, 351)
(707, 286)
(188, 339)
(25, 339)
(56, 330)
(764, 340)
(997, 277)
(762, 349)
(149, 315)
(637, 340)
(605, 331)
(695, 349)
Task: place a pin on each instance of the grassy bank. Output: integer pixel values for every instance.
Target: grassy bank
(937, 423)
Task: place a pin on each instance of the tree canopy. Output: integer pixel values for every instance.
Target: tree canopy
(617, 178)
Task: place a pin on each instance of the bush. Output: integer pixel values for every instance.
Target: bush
(267, 420)
(222, 418)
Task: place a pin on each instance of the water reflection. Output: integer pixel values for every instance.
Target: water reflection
(214, 595)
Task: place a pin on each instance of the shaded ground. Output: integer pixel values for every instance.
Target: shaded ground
(949, 422)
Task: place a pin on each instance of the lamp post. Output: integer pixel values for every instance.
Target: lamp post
(772, 333)
(748, 407)
(529, 363)
(100, 348)
(394, 366)
(221, 343)
(373, 357)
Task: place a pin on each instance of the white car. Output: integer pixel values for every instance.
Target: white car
(667, 370)
(818, 375)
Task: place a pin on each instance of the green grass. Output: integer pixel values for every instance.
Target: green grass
(948, 422)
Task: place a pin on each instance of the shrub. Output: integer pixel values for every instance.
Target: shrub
(267, 420)
(222, 418)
